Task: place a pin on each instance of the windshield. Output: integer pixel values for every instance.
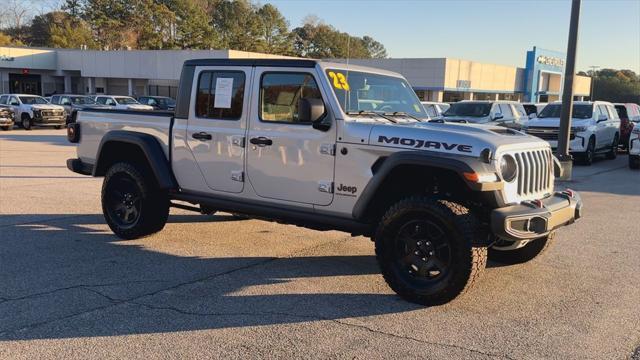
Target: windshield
(125, 100)
(169, 101)
(470, 110)
(366, 92)
(82, 100)
(30, 100)
(580, 111)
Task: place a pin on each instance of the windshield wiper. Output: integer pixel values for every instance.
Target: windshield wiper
(363, 112)
(402, 113)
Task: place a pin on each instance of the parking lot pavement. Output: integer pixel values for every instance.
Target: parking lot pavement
(216, 286)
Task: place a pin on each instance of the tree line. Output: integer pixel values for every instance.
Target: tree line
(186, 24)
(615, 85)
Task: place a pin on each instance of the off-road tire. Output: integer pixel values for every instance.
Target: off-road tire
(586, 158)
(634, 161)
(524, 254)
(5, 128)
(26, 122)
(459, 229)
(613, 152)
(153, 205)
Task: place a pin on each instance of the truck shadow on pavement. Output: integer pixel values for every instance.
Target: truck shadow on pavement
(38, 138)
(70, 277)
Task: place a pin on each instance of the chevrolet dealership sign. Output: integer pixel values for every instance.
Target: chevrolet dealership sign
(549, 60)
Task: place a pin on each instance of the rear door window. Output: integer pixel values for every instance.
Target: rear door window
(505, 109)
(3, 99)
(220, 95)
(602, 110)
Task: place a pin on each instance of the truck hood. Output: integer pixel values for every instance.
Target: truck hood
(555, 122)
(46, 107)
(453, 138)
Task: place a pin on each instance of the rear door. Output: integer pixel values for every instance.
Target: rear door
(603, 137)
(288, 159)
(216, 128)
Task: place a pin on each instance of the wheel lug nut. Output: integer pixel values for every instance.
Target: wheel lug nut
(419, 242)
(424, 259)
(430, 252)
(428, 243)
(417, 253)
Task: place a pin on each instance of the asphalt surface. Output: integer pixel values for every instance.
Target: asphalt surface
(213, 287)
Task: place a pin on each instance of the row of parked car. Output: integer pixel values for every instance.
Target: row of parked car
(58, 110)
(597, 127)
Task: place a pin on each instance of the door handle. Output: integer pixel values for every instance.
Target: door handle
(201, 136)
(261, 141)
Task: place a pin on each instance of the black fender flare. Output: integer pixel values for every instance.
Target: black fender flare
(151, 149)
(422, 158)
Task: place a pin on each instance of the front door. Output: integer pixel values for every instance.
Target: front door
(216, 129)
(288, 159)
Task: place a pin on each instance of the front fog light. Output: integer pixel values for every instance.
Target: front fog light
(508, 168)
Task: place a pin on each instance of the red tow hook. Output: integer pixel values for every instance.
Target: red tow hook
(537, 203)
(568, 192)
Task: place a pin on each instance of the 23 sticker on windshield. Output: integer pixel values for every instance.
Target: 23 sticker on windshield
(339, 80)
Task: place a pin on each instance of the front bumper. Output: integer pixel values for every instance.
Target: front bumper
(535, 219)
(50, 120)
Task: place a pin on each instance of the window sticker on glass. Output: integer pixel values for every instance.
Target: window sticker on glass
(339, 80)
(224, 90)
(416, 107)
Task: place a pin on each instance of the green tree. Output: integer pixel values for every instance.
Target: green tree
(108, 20)
(75, 8)
(316, 39)
(237, 24)
(616, 85)
(6, 40)
(71, 34)
(275, 36)
(39, 30)
(192, 27)
(151, 24)
(375, 48)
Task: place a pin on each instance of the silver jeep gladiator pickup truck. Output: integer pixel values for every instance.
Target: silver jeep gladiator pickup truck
(330, 147)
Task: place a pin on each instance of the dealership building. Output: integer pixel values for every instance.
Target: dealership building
(156, 72)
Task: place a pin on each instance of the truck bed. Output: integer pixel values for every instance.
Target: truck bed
(95, 123)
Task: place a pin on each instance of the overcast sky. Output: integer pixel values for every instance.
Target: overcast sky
(495, 31)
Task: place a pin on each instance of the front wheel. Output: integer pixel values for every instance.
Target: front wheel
(427, 251)
(132, 204)
(502, 253)
(634, 161)
(586, 158)
(5, 128)
(613, 151)
(26, 122)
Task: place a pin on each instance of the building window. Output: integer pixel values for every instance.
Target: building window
(220, 95)
(280, 93)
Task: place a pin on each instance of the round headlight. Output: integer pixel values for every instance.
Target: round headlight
(508, 168)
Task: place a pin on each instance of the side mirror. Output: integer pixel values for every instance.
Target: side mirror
(602, 118)
(532, 116)
(313, 111)
(497, 116)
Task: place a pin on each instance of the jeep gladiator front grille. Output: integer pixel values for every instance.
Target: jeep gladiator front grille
(534, 173)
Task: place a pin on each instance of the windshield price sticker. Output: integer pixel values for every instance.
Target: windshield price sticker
(416, 108)
(339, 80)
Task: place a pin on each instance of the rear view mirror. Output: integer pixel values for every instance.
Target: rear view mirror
(313, 111)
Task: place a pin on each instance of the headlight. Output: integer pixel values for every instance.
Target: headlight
(508, 168)
(579, 129)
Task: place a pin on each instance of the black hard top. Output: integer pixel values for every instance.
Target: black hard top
(253, 62)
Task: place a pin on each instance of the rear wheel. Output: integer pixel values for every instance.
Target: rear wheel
(426, 249)
(634, 161)
(613, 152)
(502, 254)
(26, 122)
(132, 204)
(5, 128)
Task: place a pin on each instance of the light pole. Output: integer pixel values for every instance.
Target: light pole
(593, 80)
(566, 161)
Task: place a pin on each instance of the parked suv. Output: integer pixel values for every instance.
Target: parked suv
(121, 102)
(435, 109)
(634, 147)
(533, 109)
(298, 141)
(7, 117)
(33, 110)
(595, 129)
(510, 114)
(73, 103)
(629, 115)
(158, 102)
